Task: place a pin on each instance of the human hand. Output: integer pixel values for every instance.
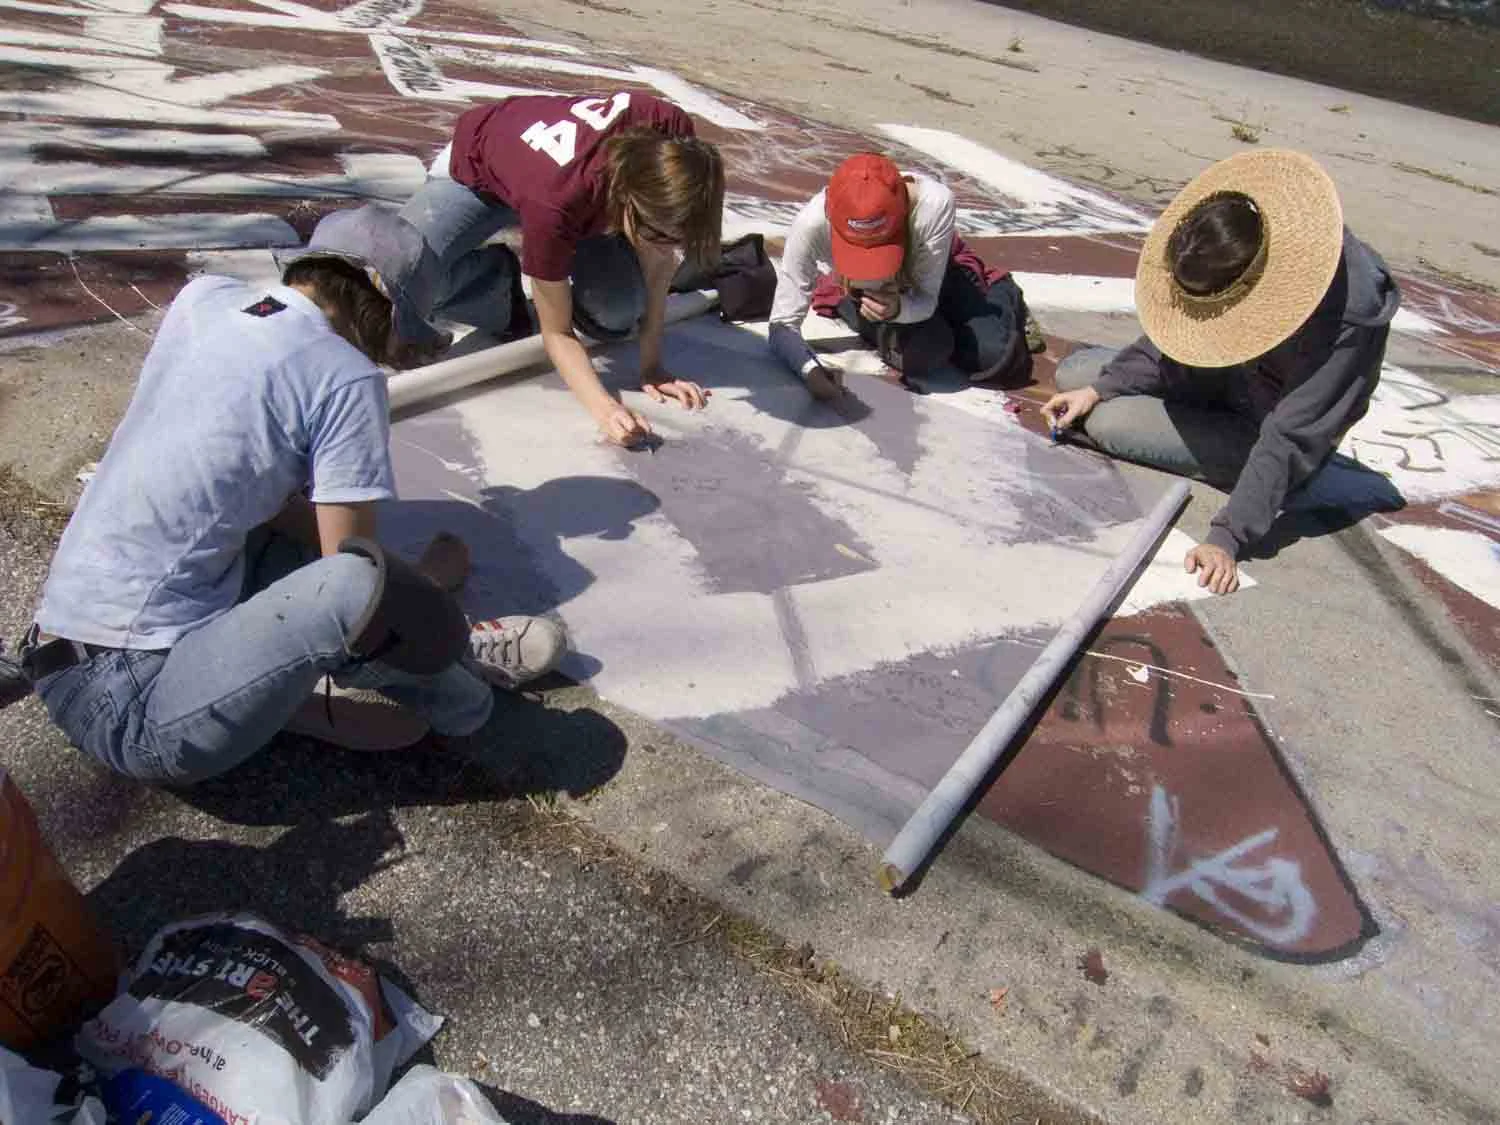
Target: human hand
(879, 304)
(823, 383)
(660, 386)
(445, 561)
(1215, 568)
(622, 425)
(1068, 407)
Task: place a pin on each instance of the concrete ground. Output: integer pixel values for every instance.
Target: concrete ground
(1133, 118)
(581, 986)
(682, 945)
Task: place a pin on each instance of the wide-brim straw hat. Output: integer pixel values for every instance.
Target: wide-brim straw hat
(1302, 238)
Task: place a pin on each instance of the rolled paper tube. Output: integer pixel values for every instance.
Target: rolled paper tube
(948, 798)
(419, 387)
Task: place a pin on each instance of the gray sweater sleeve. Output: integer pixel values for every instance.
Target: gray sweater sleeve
(1134, 370)
(1299, 433)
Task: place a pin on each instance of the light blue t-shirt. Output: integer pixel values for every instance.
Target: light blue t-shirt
(247, 396)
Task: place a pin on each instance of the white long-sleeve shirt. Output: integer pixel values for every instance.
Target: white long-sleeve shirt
(809, 253)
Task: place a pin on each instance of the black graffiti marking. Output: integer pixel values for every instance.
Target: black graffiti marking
(1071, 697)
(376, 13)
(1404, 454)
(414, 69)
(1416, 391)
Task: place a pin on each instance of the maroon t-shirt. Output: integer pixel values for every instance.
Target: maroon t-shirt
(544, 156)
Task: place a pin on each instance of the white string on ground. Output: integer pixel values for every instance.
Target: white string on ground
(1136, 664)
(113, 311)
(145, 298)
(1179, 675)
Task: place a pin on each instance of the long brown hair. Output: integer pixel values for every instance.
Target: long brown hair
(357, 310)
(670, 185)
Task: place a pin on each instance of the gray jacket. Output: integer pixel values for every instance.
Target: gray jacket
(1305, 393)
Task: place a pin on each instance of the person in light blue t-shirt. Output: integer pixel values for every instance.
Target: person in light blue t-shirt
(223, 560)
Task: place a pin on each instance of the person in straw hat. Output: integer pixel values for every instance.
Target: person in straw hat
(1266, 322)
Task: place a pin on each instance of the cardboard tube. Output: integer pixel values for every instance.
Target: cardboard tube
(912, 845)
(422, 385)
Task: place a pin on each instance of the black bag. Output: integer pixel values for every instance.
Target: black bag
(989, 325)
(14, 684)
(744, 277)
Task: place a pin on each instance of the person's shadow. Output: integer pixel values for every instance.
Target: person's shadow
(299, 879)
(517, 1110)
(516, 537)
(527, 749)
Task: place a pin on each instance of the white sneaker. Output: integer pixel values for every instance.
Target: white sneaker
(357, 719)
(512, 651)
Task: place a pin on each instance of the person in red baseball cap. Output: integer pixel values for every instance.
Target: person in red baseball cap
(883, 242)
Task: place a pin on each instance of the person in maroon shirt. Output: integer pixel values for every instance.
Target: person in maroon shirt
(605, 190)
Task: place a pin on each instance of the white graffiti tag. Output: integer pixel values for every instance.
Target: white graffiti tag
(1284, 908)
(10, 316)
(1429, 443)
(116, 72)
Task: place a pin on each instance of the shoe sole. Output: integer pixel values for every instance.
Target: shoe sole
(360, 721)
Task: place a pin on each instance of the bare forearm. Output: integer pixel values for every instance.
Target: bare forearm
(571, 359)
(337, 522)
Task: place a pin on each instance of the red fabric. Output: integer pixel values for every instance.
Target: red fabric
(544, 156)
(967, 259)
(827, 293)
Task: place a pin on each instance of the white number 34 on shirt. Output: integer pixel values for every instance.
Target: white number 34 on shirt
(560, 140)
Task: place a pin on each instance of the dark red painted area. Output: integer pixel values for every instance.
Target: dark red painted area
(1082, 787)
(127, 283)
(1476, 619)
(1471, 319)
(1091, 255)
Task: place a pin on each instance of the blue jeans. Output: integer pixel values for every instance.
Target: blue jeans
(1210, 444)
(223, 691)
(476, 285)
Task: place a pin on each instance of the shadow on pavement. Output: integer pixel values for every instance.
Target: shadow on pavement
(529, 748)
(297, 881)
(522, 1111)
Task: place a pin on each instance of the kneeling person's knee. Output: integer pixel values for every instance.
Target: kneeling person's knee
(1082, 368)
(609, 291)
(408, 621)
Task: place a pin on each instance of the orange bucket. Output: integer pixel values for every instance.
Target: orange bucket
(56, 964)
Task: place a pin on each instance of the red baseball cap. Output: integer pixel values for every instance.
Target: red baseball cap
(868, 214)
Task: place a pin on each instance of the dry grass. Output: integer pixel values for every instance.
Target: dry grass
(1440, 65)
(1443, 178)
(879, 1028)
